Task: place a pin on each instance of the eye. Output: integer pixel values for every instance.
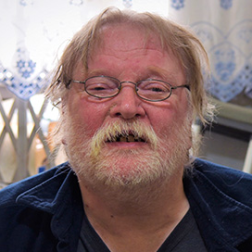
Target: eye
(156, 89)
(101, 86)
(97, 87)
(154, 86)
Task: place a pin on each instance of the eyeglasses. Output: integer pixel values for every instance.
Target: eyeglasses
(150, 89)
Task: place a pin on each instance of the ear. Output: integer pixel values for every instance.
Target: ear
(63, 141)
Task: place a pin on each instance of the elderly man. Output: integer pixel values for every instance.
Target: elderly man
(129, 87)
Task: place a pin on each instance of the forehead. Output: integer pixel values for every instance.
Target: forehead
(126, 49)
(126, 37)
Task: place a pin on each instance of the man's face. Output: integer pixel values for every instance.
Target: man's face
(161, 129)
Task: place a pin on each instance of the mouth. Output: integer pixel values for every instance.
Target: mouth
(127, 138)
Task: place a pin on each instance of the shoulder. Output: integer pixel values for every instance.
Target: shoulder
(226, 175)
(228, 181)
(27, 207)
(9, 194)
(221, 201)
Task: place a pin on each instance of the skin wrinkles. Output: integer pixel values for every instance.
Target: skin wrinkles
(152, 72)
(123, 60)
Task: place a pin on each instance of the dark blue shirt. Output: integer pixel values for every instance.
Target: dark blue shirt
(45, 212)
(184, 237)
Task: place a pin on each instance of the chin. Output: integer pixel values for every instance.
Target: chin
(125, 169)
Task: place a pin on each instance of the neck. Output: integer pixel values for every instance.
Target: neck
(146, 209)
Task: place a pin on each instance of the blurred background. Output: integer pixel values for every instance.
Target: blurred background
(34, 34)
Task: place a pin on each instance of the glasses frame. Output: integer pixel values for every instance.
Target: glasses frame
(131, 82)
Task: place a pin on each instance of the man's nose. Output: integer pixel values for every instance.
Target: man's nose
(127, 104)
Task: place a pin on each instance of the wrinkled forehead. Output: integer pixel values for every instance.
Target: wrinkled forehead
(119, 38)
(125, 37)
(126, 41)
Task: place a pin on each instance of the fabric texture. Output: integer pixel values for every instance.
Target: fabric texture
(45, 212)
(224, 28)
(185, 237)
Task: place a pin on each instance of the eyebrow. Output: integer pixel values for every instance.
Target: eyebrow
(162, 73)
(158, 72)
(96, 72)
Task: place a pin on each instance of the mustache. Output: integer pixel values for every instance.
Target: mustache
(123, 131)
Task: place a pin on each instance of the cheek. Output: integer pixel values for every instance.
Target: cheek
(169, 118)
(162, 117)
(89, 116)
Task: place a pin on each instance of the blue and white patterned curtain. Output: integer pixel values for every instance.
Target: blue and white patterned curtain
(34, 33)
(225, 28)
(31, 33)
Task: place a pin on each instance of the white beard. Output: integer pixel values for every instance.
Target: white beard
(99, 166)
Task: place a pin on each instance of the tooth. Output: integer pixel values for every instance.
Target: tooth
(131, 138)
(123, 139)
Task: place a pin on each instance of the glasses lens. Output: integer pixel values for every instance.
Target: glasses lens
(152, 89)
(102, 86)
